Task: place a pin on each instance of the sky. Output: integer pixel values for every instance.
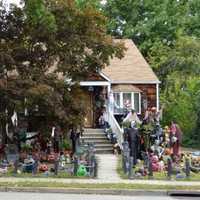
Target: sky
(11, 1)
(7, 2)
(17, 1)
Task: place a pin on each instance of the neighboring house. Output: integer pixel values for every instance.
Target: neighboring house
(129, 83)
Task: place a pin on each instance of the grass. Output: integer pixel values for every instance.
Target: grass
(60, 174)
(112, 186)
(156, 175)
(41, 175)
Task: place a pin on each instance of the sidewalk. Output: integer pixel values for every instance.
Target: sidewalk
(99, 181)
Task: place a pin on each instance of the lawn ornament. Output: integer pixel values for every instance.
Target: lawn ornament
(81, 171)
(195, 161)
(155, 163)
(3, 170)
(28, 164)
(51, 158)
(168, 151)
(43, 168)
(175, 138)
(43, 157)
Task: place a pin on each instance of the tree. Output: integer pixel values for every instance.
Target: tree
(167, 33)
(41, 45)
(181, 100)
(146, 22)
(184, 58)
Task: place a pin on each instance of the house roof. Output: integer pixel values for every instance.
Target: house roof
(132, 68)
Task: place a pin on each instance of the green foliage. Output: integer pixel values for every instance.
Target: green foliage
(167, 33)
(92, 3)
(26, 147)
(180, 98)
(65, 145)
(41, 45)
(38, 16)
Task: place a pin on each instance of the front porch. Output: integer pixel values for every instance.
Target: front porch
(96, 100)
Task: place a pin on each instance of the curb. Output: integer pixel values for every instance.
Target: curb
(184, 193)
(126, 192)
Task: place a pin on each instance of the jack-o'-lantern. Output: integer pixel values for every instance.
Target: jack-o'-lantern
(43, 168)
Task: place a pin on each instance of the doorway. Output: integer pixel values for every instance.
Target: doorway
(88, 102)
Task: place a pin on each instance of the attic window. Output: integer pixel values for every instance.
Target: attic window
(124, 101)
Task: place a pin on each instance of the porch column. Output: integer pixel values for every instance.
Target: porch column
(157, 97)
(109, 106)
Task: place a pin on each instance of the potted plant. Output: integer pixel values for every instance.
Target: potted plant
(66, 146)
(25, 150)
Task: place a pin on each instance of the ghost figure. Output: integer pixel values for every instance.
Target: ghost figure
(14, 119)
(111, 101)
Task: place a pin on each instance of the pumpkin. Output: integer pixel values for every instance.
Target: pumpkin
(43, 168)
(167, 151)
(51, 158)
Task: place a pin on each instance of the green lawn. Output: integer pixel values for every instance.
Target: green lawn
(157, 175)
(27, 184)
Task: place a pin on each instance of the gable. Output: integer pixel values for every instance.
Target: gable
(132, 68)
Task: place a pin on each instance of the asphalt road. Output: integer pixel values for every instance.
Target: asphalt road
(53, 196)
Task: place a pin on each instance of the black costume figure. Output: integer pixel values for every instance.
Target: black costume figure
(74, 137)
(56, 138)
(133, 140)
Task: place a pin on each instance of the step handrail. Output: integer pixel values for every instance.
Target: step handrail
(116, 129)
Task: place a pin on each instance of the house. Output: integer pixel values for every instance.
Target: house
(127, 83)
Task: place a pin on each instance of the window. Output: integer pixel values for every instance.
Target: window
(127, 100)
(116, 102)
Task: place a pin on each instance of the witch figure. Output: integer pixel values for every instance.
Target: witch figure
(175, 138)
(133, 140)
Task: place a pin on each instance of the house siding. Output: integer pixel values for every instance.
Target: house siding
(148, 93)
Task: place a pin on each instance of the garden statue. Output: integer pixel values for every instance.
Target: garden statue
(175, 138)
(133, 140)
(132, 116)
(74, 137)
(166, 137)
(156, 135)
(56, 138)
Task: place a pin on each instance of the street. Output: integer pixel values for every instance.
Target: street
(58, 196)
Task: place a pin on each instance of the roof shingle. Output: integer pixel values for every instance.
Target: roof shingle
(132, 68)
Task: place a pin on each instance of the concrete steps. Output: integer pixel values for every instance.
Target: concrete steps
(100, 141)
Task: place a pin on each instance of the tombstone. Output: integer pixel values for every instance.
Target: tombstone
(150, 168)
(12, 156)
(56, 165)
(35, 167)
(90, 159)
(16, 166)
(125, 157)
(95, 167)
(169, 168)
(145, 158)
(12, 153)
(130, 173)
(75, 165)
(187, 167)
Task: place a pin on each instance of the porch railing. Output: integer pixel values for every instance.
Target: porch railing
(116, 129)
